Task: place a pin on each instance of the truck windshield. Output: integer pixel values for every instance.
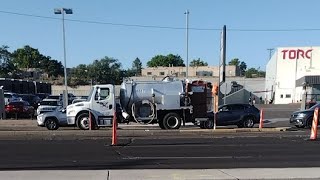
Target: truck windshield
(90, 94)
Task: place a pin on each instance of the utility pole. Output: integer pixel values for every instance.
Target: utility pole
(270, 52)
(187, 41)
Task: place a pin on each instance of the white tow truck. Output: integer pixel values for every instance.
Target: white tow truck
(170, 103)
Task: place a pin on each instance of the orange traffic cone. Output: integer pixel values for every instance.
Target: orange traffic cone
(90, 121)
(314, 128)
(114, 130)
(261, 119)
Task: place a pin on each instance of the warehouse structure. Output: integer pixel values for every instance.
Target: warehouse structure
(291, 73)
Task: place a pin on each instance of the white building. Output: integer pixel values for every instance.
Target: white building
(288, 70)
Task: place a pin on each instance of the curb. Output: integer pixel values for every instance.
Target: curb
(83, 135)
(237, 130)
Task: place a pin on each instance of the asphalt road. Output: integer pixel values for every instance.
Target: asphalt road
(280, 150)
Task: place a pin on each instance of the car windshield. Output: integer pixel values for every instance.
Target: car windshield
(49, 103)
(315, 106)
(53, 97)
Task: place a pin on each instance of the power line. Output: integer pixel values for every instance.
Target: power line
(164, 27)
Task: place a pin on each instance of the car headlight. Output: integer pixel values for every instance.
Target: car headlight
(40, 116)
(301, 115)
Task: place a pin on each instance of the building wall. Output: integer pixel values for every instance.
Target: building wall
(270, 80)
(192, 71)
(292, 63)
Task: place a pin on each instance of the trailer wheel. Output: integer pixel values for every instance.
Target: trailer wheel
(171, 121)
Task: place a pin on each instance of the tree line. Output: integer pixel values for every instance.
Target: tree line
(100, 71)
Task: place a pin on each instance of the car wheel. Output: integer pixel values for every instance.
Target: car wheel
(300, 126)
(171, 121)
(51, 124)
(208, 124)
(309, 123)
(248, 122)
(83, 121)
(201, 125)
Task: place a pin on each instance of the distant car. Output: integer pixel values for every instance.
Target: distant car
(53, 120)
(242, 115)
(304, 118)
(54, 97)
(48, 105)
(32, 99)
(42, 95)
(9, 96)
(19, 109)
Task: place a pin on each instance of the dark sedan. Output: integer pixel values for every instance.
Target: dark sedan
(304, 118)
(242, 115)
(19, 109)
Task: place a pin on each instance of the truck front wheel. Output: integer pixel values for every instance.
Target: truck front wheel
(171, 121)
(83, 121)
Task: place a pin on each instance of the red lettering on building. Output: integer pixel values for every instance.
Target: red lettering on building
(296, 54)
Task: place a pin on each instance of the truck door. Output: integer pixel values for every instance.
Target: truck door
(104, 101)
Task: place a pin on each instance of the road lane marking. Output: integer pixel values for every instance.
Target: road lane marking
(189, 157)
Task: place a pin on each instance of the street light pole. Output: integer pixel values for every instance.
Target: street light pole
(187, 41)
(62, 11)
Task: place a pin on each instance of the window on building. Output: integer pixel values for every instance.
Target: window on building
(288, 95)
(149, 73)
(281, 96)
(204, 73)
(161, 73)
(183, 74)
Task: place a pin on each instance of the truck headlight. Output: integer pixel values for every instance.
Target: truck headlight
(71, 111)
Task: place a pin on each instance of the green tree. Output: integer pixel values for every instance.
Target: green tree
(198, 62)
(241, 64)
(7, 68)
(27, 57)
(253, 73)
(136, 67)
(106, 70)
(165, 61)
(235, 62)
(80, 75)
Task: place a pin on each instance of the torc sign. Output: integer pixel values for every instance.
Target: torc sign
(296, 54)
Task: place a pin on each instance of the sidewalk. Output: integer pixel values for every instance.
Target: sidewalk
(168, 174)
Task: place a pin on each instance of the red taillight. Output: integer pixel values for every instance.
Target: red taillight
(9, 106)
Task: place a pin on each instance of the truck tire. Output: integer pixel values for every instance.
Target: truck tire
(51, 124)
(161, 125)
(83, 121)
(171, 121)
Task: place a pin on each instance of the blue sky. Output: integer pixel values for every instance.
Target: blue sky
(89, 41)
